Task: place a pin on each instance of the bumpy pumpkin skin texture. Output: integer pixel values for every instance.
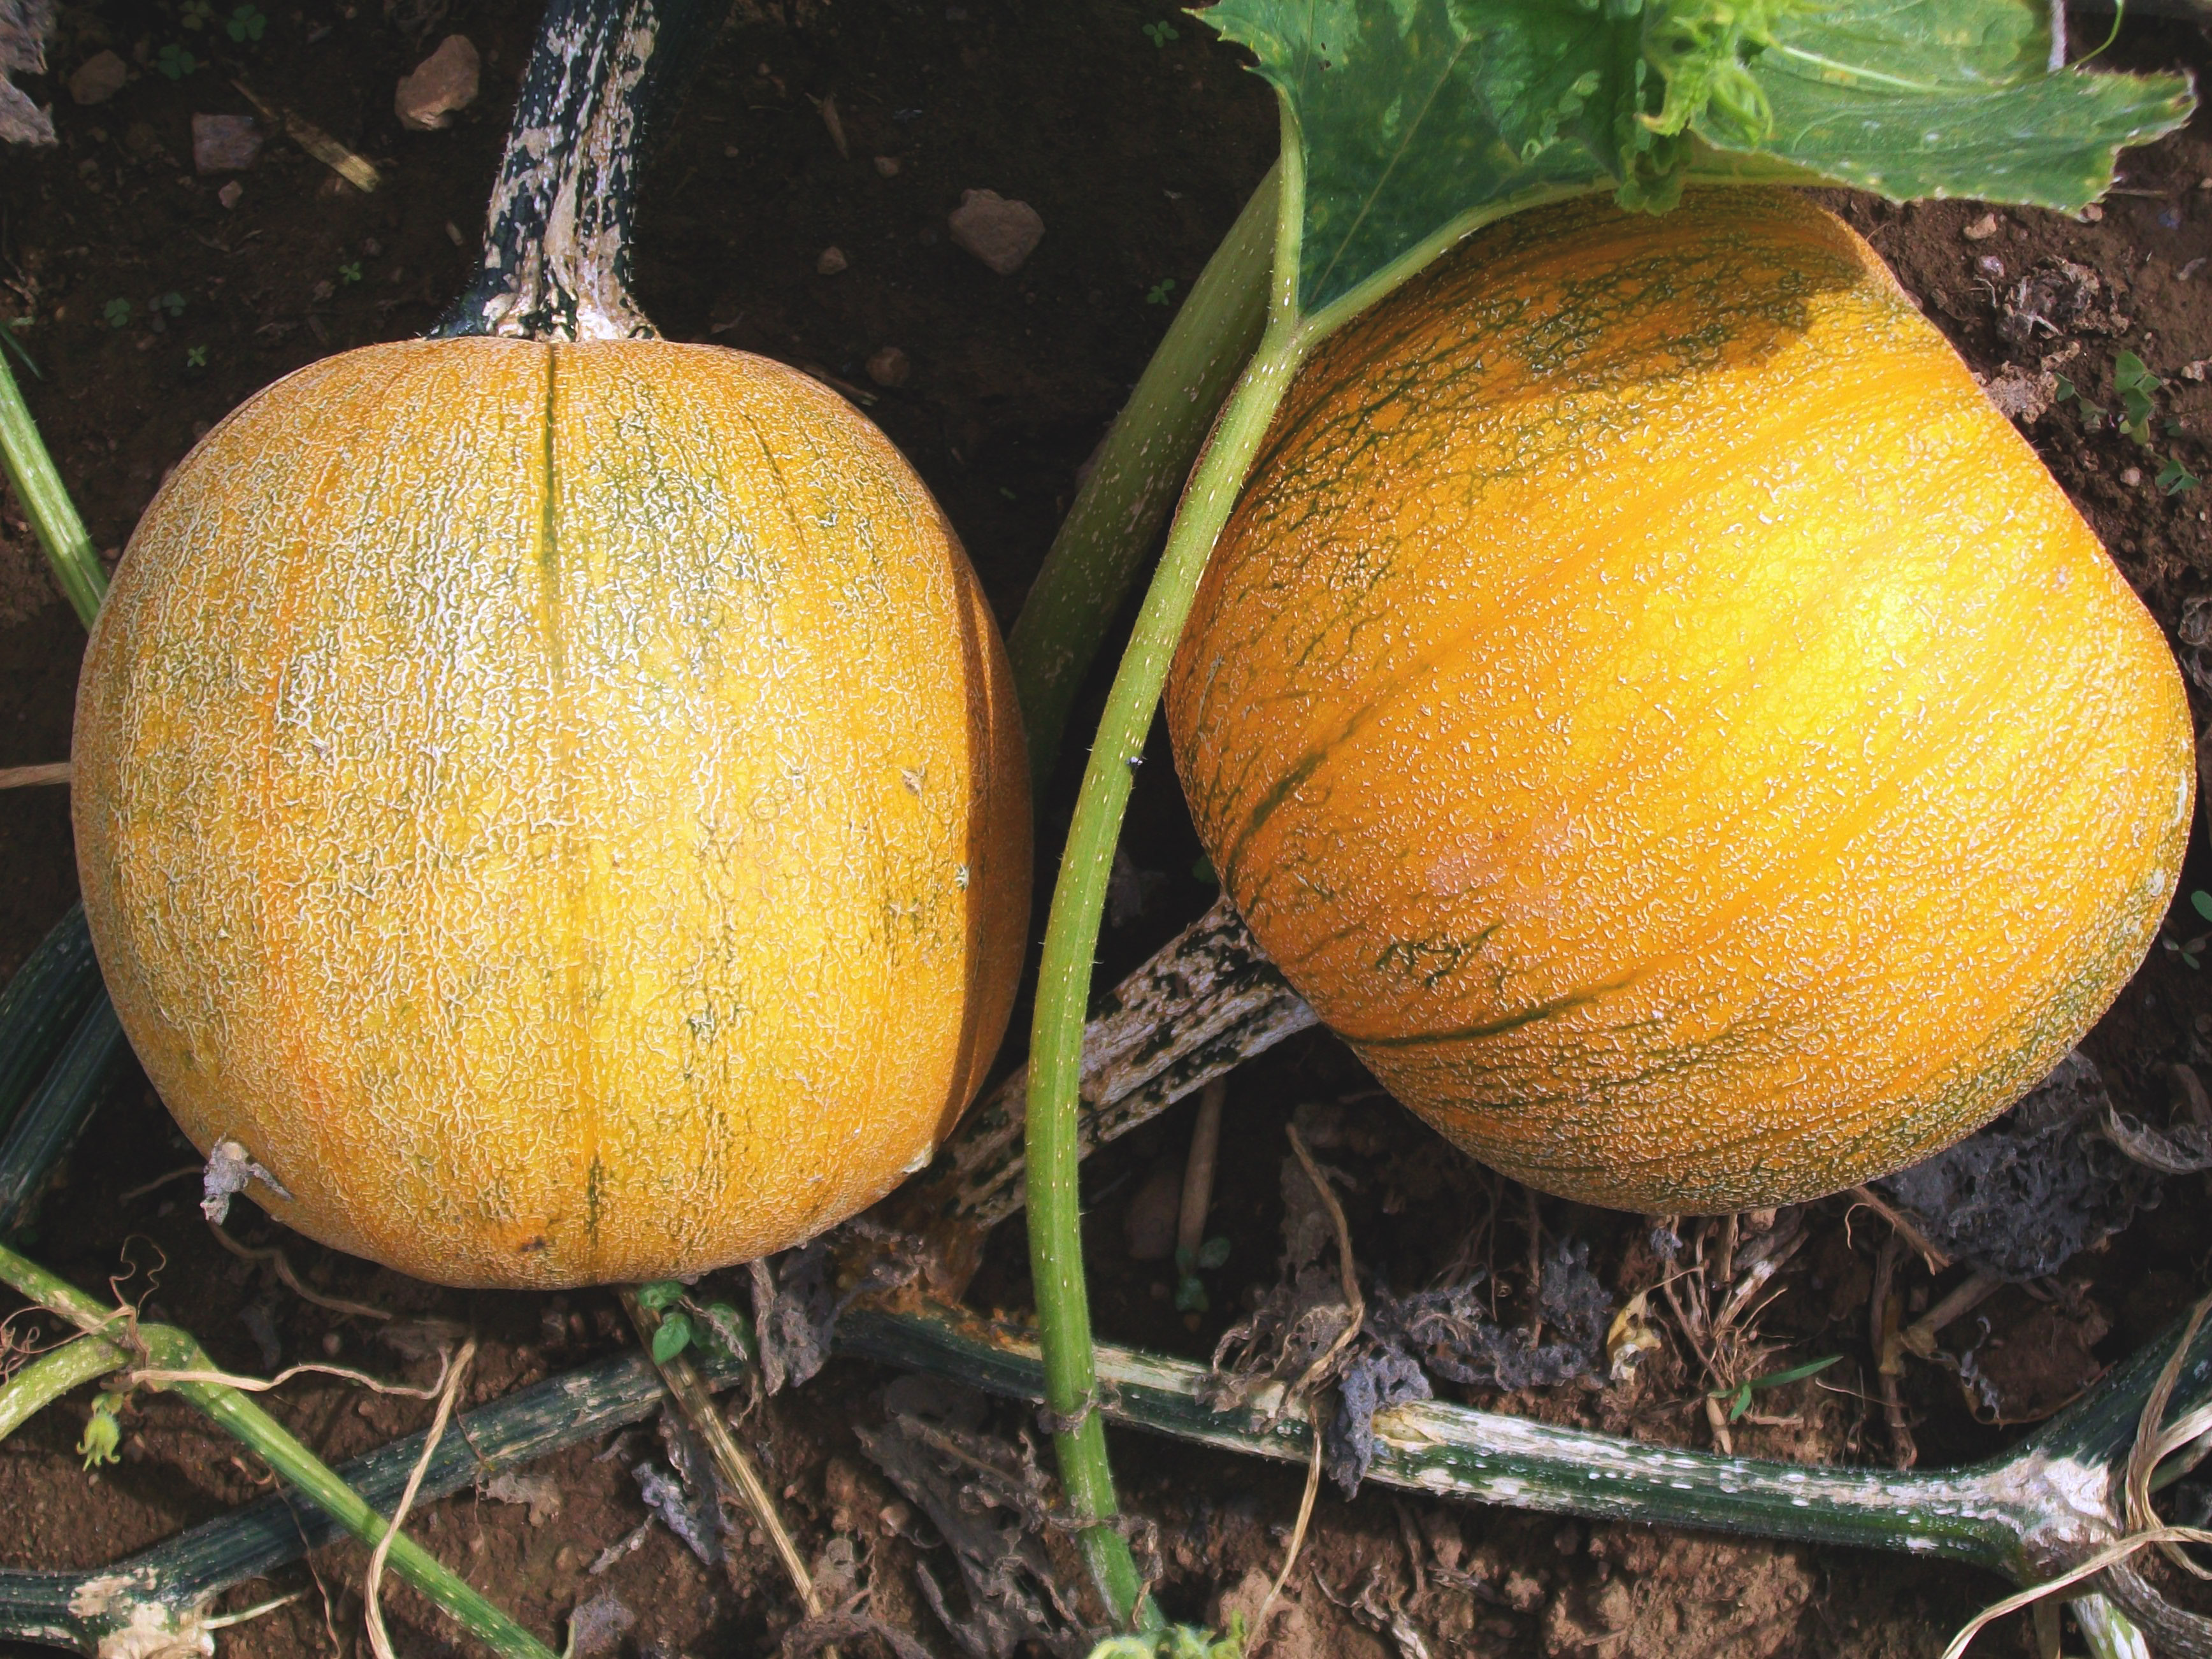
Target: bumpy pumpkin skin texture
(1661, 715)
(562, 808)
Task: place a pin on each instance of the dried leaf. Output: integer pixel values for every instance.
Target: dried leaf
(2022, 1197)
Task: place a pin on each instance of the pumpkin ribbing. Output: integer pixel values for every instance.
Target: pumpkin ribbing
(562, 807)
(1655, 709)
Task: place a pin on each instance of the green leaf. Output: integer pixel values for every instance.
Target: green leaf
(1214, 1253)
(1419, 118)
(1190, 1295)
(1913, 98)
(660, 1296)
(1795, 1374)
(22, 352)
(671, 1337)
(2201, 902)
(721, 1328)
(2173, 478)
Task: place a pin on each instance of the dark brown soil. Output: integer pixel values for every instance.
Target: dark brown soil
(1137, 156)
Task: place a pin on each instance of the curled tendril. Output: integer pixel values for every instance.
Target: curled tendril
(1693, 65)
(1700, 48)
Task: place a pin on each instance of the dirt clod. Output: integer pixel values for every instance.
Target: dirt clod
(1001, 233)
(890, 367)
(224, 143)
(439, 86)
(99, 78)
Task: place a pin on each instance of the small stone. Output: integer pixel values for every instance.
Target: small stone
(540, 1491)
(2092, 215)
(887, 166)
(568, 1560)
(890, 367)
(334, 1345)
(2131, 476)
(1001, 233)
(229, 193)
(2021, 394)
(832, 261)
(442, 83)
(597, 1627)
(99, 78)
(1982, 230)
(224, 143)
(1990, 266)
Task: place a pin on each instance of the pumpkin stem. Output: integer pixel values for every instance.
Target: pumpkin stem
(1135, 479)
(604, 77)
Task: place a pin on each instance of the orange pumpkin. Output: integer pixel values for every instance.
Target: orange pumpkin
(561, 808)
(1668, 723)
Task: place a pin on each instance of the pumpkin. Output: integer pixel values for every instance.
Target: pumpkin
(1668, 723)
(559, 808)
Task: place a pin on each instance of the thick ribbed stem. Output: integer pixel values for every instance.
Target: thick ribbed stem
(602, 81)
(37, 485)
(1139, 472)
(57, 1112)
(41, 1006)
(2049, 1502)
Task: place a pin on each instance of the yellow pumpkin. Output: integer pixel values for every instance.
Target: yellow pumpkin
(559, 808)
(1668, 723)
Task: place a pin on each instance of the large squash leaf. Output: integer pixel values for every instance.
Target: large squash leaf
(1416, 116)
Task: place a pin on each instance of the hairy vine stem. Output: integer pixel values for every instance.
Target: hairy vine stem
(169, 1349)
(1072, 933)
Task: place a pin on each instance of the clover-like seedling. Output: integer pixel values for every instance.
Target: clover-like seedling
(175, 62)
(1190, 1290)
(246, 24)
(2136, 386)
(116, 314)
(1160, 33)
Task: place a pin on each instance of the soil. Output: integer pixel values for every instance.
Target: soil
(1137, 154)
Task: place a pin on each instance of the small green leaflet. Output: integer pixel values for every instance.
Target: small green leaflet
(671, 1337)
(1419, 116)
(1739, 1398)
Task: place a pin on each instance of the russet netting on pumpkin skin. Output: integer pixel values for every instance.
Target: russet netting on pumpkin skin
(1656, 710)
(585, 843)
